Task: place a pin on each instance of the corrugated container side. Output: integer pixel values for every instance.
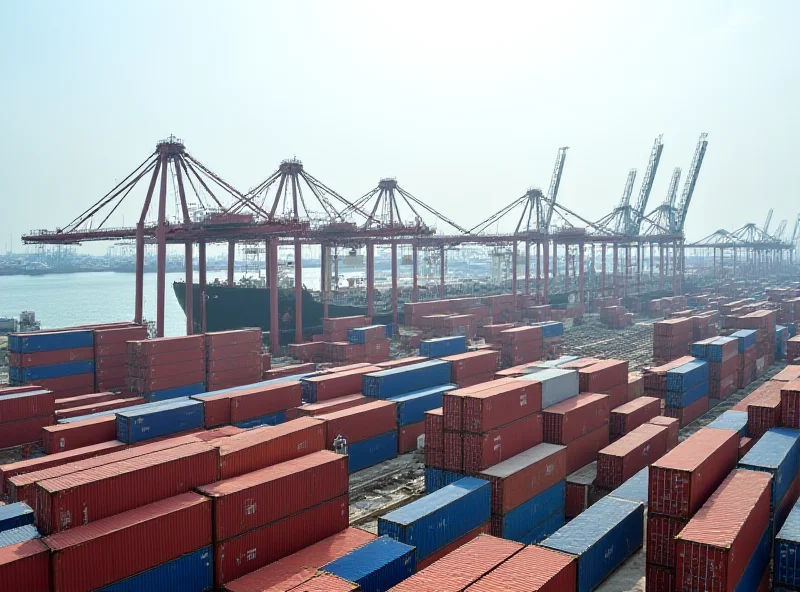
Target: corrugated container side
(390, 383)
(254, 549)
(525, 517)
(435, 478)
(673, 426)
(758, 564)
(79, 434)
(360, 423)
(630, 416)
(584, 450)
(25, 566)
(411, 407)
(145, 537)
(575, 417)
(481, 451)
(776, 453)
(24, 431)
(499, 404)
(22, 406)
(370, 452)
(459, 542)
(377, 566)
(441, 517)
(249, 404)
(661, 543)
(622, 459)
(635, 488)
(193, 571)
(168, 418)
(554, 571)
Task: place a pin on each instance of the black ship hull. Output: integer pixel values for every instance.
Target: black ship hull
(238, 307)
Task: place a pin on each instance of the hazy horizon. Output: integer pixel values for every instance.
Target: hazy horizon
(464, 103)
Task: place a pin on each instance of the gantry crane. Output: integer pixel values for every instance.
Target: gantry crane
(780, 230)
(647, 186)
(623, 213)
(690, 183)
(555, 182)
(765, 230)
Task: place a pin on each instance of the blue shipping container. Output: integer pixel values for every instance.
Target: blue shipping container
(679, 400)
(19, 534)
(193, 572)
(731, 420)
(377, 566)
(389, 330)
(443, 346)
(52, 371)
(602, 538)
(557, 362)
(39, 342)
(634, 489)
(176, 393)
(169, 417)
(438, 519)
(141, 407)
(746, 337)
(787, 551)
(358, 335)
(15, 515)
(777, 452)
(687, 375)
(530, 514)
(544, 529)
(550, 329)
(698, 350)
(411, 407)
(757, 564)
(406, 379)
(271, 419)
(367, 453)
(714, 349)
(435, 479)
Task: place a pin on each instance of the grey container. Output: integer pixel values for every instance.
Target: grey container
(557, 384)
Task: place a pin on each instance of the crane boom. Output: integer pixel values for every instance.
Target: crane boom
(768, 220)
(672, 192)
(555, 181)
(691, 180)
(780, 230)
(647, 186)
(623, 211)
(796, 229)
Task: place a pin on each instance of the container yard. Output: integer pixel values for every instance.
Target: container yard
(616, 408)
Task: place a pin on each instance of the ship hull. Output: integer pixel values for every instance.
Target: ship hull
(238, 307)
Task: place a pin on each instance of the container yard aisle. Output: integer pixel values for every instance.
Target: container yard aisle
(594, 339)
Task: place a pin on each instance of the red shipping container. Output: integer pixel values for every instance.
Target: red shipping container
(165, 345)
(630, 416)
(603, 375)
(618, 395)
(635, 386)
(575, 417)
(455, 571)
(141, 365)
(682, 480)
(119, 372)
(483, 529)
(340, 323)
(25, 567)
(400, 362)
(327, 583)
(408, 435)
(24, 431)
(475, 380)
(267, 495)
(339, 384)
(144, 538)
(688, 414)
(673, 428)
(360, 423)
(217, 339)
(263, 447)
(150, 385)
(80, 400)
(314, 409)
(659, 579)
(112, 350)
(521, 335)
(120, 334)
(293, 570)
(251, 360)
(481, 451)
(554, 572)
(349, 367)
(77, 434)
(13, 390)
(46, 358)
(764, 410)
(713, 548)
(453, 453)
(26, 405)
(471, 363)
(661, 545)
(167, 370)
(618, 462)
(74, 500)
(525, 476)
(255, 549)
(273, 398)
(434, 438)
(501, 402)
(65, 383)
(99, 407)
(790, 404)
(237, 376)
(584, 450)
(52, 460)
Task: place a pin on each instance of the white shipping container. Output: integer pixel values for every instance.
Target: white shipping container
(557, 384)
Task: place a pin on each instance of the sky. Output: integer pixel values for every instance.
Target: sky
(465, 103)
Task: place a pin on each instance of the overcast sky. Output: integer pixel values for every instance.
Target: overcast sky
(465, 103)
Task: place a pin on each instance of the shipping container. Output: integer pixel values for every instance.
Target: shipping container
(267, 495)
(107, 406)
(216, 339)
(493, 404)
(435, 479)
(521, 477)
(687, 415)
(48, 358)
(25, 343)
(251, 403)
(408, 437)
(412, 406)
(602, 538)
(577, 416)
(193, 572)
(20, 406)
(15, 515)
(713, 548)
(602, 376)
(360, 423)
(517, 523)
(177, 392)
(456, 544)
(786, 569)
(557, 384)
(398, 381)
(262, 447)
(25, 566)
(377, 566)
(442, 346)
(145, 537)
(259, 547)
(24, 431)
(481, 451)
(337, 384)
(464, 566)
(731, 420)
(370, 452)
(325, 582)
(473, 363)
(758, 566)
(554, 571)
(291, 571)
(38, 373)
(69, 501)
(673, 427)
(682, 480)
(79, 434)
(81, 400)
(621, 460)
(314, 409)
(165, 345)
(168, 418)
(441, 517)
(634, 489)
(683, 399)
(271, 419)
(630, 416)
(584, 450)
(688, 375)
(19, 534)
